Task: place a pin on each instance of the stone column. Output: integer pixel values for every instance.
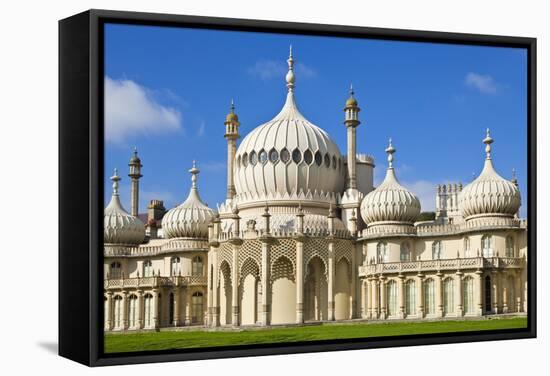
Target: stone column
(266, 308)
(215, 308)
(518, 292)
(364, 299)
(505, 287)
(156, 319)
(401, 296)
(187, 306)
(125, 310)
(459, 294)
(495, 291)
(478, 292)
(420, 295)
(109, 311)
(352, 310)
(330, 285)
(141, 310)
(299, 281)
(176, 293)
(235, 282)
(380, 298)
(439, 294)
(352, 153)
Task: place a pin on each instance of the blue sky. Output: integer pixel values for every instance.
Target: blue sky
(168, 91)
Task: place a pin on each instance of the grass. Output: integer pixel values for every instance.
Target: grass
(185, 339)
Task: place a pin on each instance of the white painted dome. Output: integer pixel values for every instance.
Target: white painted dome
(390, 202)
(489, 194)
(287, 157)
(191, 218)
(120, 227)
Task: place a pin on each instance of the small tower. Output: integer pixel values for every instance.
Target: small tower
(135, 174)
(351, 122)
(231, 135)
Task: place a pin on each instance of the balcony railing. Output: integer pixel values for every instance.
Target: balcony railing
(442, 264)
(155, 281)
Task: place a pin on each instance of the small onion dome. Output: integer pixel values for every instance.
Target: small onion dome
(232, 117)
(390, 202)
(190, 219)
(351, 102)
(120, 227)
(489, 194)
(135, 159)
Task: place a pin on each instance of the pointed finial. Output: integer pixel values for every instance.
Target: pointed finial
(232, 107)
(135, 150)
(390, 150)
(488, 141)
(351, 92)
(290, 78)
(115, 179)
(194, 171)
(514, 178)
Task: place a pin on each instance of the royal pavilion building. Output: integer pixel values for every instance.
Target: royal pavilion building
(304, 236)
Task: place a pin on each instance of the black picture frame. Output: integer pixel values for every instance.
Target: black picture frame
(81, 190)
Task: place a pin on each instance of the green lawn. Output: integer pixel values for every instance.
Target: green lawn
(166, 340)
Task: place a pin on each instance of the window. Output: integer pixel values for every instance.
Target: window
(308, 157)
(197, 308)
(510, 251)
(175, 269)
(148, 310)
(171, 305)
(382, 252)
(115, 270)
(436, 250)
(333, 162)
(327, 161)
(245, 159)
(405, 254)
(468, 292)
(488, 291)
(318, 159)
(410, 297)
(285, 156)
(429, 297)
(487, 245)
(263, 156)
(449, 296)
(197, 266)
(391, 293)
(253, 158)
(273, 156)
(147, 268)
(467, 251)
(118, 311)
(133, 311)
(296, 156)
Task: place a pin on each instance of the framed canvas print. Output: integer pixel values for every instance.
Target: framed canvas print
(240, 187)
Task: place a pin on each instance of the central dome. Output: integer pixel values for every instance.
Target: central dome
(288, 158)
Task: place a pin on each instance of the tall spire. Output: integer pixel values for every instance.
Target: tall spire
(115, 179)
(194, 172)
(290, 78)
(488, 141)
(390, 150)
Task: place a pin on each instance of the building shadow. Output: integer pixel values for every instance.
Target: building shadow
(50, 347)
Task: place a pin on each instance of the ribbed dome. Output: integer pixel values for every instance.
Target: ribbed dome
(390, 202)
(286, 156)
(191, 218)
(120, 227)
(489, 194)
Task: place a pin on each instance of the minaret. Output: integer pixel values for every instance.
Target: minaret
(231, 135)
(135, 174)
(352, 121)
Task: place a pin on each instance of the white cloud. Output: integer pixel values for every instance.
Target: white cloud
(131, 110)
(212, 166)
(269, 69)
(425, 191)
(484, 83)
(201, 129)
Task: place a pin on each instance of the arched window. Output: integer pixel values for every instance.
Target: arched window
(327, 161)
(467, 250)
(273, 156)
(382, 252)
(262, 156)
(449, 295)
(296, 156)
(115, 270)
(175, 268)
(510, 251)
(197, 308)
(308, 157)
(405, 254)
(429, 297)
(391, 293)
(118, 314)
(410, 297)
(147, 268)
(487, 245)
(285, 155)
(468, 292)
(133, 311)
(436, 250)
(197, 266)
(245, 160)
(253, 158)
(148, 310)
(318, 158)
(333, 162)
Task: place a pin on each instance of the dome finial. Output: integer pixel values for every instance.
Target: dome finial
(194, 172)
(115, 179)
(351, 92)
(514, 178)
(390, 150)
(290, 78)
(488, 141)
(232, 107)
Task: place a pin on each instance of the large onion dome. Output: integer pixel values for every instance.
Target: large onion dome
(390, 202)
(287, 157)
(191, 218)
(120, 227)
(489, 194)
